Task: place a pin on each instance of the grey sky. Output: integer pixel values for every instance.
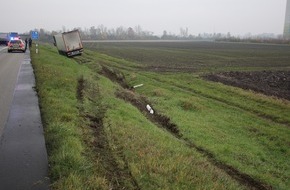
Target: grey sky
(235, 16)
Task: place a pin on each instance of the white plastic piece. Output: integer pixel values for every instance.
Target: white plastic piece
(139, 85)
(149, 109)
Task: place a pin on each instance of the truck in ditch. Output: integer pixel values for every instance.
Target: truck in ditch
(69, 43)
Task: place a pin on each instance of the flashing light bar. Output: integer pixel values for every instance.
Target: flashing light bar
(14, 38)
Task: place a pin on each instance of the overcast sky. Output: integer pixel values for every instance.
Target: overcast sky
(221, 16)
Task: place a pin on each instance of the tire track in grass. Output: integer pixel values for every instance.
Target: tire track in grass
(119, 178)
(228, 103)
(163, 121)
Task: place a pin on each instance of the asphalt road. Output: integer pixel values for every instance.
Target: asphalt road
(23, 156)
(9, 69)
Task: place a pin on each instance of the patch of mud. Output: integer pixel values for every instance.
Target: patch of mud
(272, 83)
(115, 76)
(80, 89)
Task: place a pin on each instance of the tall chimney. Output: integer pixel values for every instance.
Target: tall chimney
(287, 21)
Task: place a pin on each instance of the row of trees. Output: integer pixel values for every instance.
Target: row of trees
(103, 33)
(137, 33)
(120, 33)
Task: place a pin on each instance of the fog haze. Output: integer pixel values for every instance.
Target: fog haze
(212, 16)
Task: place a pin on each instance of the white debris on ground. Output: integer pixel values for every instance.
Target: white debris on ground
(149, 109)
(139, 85)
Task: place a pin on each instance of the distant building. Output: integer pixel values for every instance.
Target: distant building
(287, 21)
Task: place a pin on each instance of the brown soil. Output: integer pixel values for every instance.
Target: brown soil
(115, 76)
(272, 83)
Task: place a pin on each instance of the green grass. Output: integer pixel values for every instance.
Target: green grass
(238, 137)
(156, 159)
(241, 129)
(71, 160)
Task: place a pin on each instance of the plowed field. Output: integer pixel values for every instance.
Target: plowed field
(273, 83)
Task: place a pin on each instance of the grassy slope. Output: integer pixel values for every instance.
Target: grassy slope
(241, 128)
(254, 145)
(215, 117)
(155, 159)
(70, 159)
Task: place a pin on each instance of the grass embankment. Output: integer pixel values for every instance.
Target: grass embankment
(71, 159)
(79, 107)
(98, 141)
(246, 139)
(238, 128)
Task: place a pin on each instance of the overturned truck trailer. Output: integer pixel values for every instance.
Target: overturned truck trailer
(69, 43)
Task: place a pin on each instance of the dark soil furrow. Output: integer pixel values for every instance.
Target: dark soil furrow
(272, 83)
(115, 76)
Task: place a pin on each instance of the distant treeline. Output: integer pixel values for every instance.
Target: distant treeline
(137, 33)
(255, 40)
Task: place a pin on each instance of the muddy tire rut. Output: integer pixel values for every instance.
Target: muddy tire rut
(118, 178)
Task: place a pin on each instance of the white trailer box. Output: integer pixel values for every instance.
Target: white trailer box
(69, 43)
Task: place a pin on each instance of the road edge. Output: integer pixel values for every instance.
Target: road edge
(23, 155)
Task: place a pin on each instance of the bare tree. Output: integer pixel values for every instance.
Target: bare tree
(93, 32)
(131, 33)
